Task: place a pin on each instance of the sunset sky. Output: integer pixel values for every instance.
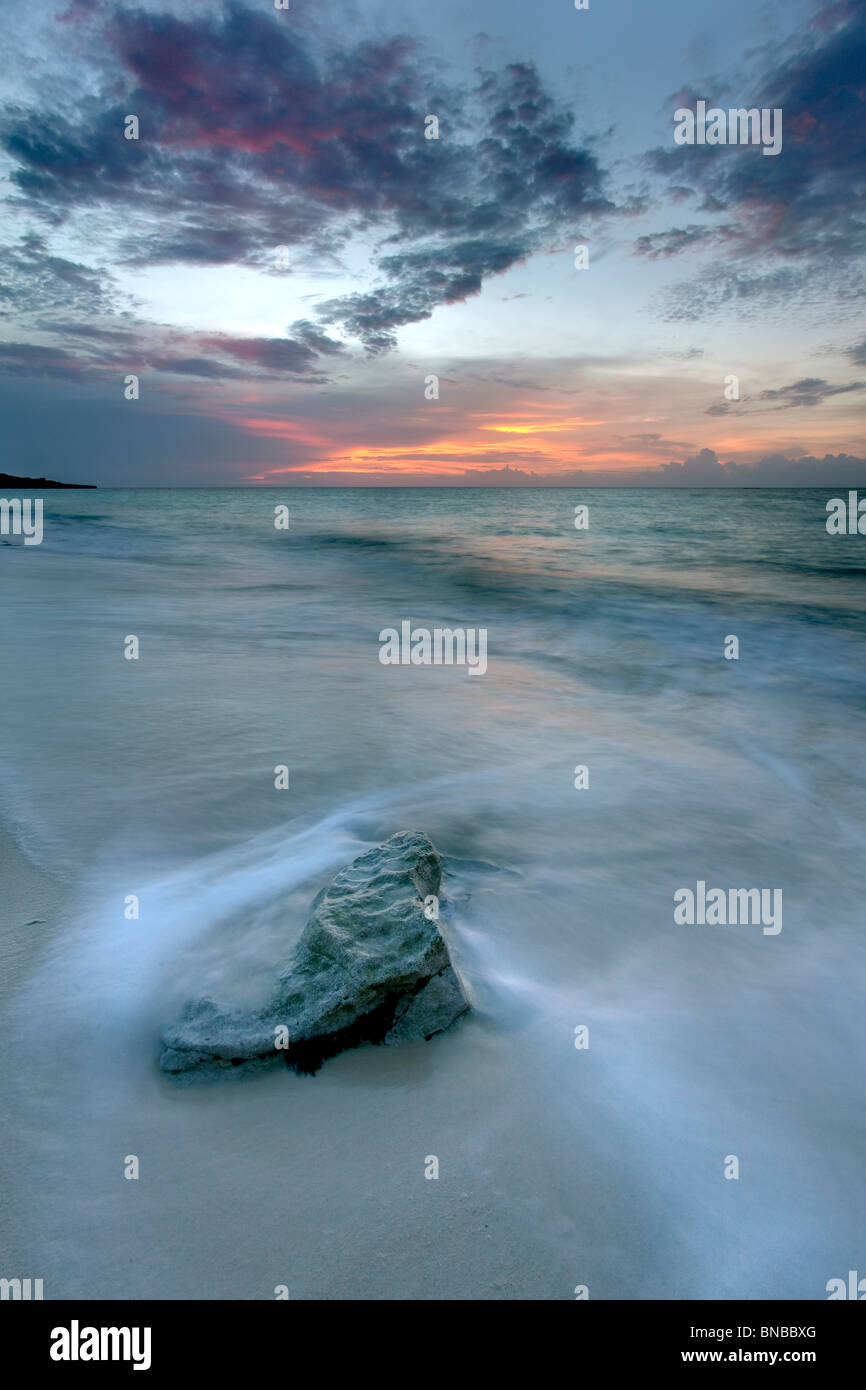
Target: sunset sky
(305, 128)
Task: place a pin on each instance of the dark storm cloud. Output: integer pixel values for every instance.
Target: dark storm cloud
(809, 199)
(417, 282)
(486, 205)
(806, 205)
(253, 135)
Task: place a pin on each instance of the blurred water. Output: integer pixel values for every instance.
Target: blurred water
(605, 647)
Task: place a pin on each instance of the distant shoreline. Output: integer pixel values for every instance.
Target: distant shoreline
(9, 480)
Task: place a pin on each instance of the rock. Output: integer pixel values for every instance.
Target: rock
(368, 967)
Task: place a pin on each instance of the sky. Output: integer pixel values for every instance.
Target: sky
(309, 290)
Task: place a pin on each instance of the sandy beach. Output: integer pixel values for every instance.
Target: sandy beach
(558, 1167)
(31, 904)
(256, 1181)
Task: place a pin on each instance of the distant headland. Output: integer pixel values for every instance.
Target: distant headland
(8, 480)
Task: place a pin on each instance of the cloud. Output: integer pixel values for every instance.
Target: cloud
(809, 392)
(35, 360)
(652, 443)
(209, 356)
(807, 205)
(487, 205)
(418, 282)
(773, 470)
(762, 290)
(703, 469)
(307, 333)
(254, 133)
(33, 282)
(280, 355)
(662, 245)
(809, 199)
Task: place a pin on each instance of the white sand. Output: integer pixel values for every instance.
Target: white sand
(30, 906)
(317, 1183)
(557, 1168)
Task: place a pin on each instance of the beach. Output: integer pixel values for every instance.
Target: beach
(560, 1166)
(32, 906)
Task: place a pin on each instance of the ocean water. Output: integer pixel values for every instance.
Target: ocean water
(559, 1166)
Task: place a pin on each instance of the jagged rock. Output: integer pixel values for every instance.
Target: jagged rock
(368, 967)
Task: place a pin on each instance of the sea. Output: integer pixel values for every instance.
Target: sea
(636, 1107)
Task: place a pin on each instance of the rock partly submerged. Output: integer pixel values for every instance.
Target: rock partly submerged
(371, 965)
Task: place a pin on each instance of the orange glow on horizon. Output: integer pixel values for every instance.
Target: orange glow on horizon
(545, 442)
(550, 427)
